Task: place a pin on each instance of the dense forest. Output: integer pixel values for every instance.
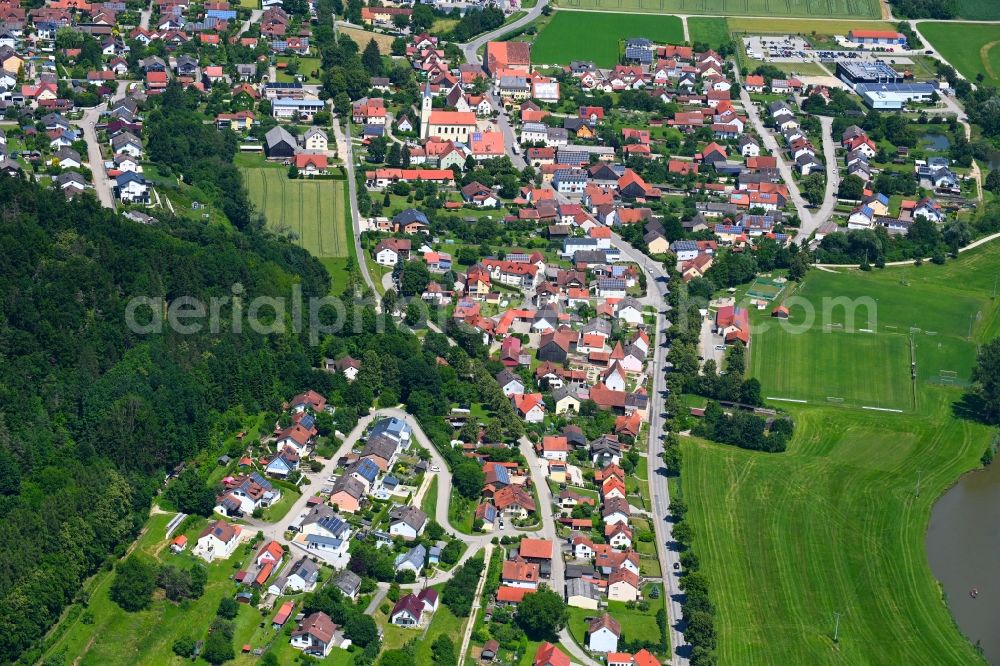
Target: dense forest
(91, 414)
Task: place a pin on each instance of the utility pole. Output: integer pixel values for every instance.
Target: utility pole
(836, 627)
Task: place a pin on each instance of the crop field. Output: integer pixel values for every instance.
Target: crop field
(979, 10)
(972, 48)
(835, 525)
(800, 26)
(313, 210)
(593, 36)
(808, 8)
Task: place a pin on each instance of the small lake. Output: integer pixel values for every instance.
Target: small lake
(937, 142)
(963, 548)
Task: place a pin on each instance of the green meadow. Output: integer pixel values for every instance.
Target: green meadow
(835, 525)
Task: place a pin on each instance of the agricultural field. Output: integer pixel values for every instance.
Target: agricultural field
(362, 37)
(805, 8)
(979, 10)
(312, 210)
(712, 30)
(597, 37)
(834, 525)
(972, 48)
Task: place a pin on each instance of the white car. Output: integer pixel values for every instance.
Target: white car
(435, 468)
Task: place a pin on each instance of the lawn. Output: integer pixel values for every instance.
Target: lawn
(834, 525)
(307, 66)
(635, 623)
(312, 210)
(429, 503)
(711, 30)
(807, 8)
(863, 369)
(562, 39)
(105, 634)
(970, 47)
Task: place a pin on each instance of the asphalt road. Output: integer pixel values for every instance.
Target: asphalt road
(276, 531)
(469, 50)
(346, 151)
(663, 525)
(88, 123)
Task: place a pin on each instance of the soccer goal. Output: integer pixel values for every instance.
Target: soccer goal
(948, 376)
(833, 327)
(835, 400)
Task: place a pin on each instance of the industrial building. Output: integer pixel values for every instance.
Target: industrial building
(853, 72)
(877, 37)
(894, 96)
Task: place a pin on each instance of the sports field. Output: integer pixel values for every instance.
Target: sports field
(835, 525)
(313, 210)
(971, 48)
(857, 369)
(595, 37)
(861, 9)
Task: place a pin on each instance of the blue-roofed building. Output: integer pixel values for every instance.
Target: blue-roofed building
(639, 49)
(283, 463)
(390, 482)
(364, 471)
(393, 428)
(325, 546)
(686, 250)
(488, 514)
(374, 131)
(411, 220)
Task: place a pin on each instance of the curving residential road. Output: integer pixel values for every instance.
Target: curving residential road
(469, 50)
(95, 160)
(276, 531)
(772, 145)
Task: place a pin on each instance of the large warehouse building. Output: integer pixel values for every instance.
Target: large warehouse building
(894, 96)
(853, 72)
(877, 37)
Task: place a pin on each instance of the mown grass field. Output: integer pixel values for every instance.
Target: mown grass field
(808, 8)
(835, 525)
(106, 635)
(595, 37)
(312, 210)
(861, 369)
(971, 48)
(713, 30)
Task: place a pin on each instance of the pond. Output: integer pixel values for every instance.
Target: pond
(938, 142)
(963, 549)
